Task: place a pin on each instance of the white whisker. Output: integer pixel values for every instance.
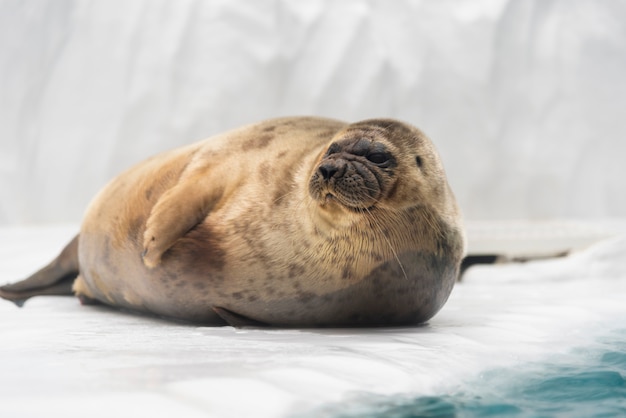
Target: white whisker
(375, 223)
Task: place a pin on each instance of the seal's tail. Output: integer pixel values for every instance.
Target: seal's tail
(54, 279)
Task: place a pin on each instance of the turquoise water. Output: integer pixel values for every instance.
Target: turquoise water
(588, 382)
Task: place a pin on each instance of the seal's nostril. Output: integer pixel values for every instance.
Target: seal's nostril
(327, 170)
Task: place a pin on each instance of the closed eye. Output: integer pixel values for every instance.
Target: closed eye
(378, 157)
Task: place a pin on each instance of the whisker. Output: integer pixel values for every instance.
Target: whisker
(284, 195)
(375, 223)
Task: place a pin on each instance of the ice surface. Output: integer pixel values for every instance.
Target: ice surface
(62, 359)
(519, 239)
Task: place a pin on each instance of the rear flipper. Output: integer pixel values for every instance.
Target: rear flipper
(54, 279)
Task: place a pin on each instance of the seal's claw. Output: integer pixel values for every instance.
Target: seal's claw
(235, 320)
(149, 258)
(86, 300)
(150, 255)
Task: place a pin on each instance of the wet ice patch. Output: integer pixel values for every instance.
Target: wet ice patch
(588, 381)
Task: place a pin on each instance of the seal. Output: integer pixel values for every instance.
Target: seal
(289, 222)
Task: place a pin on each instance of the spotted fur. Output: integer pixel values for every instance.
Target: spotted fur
(289, 222)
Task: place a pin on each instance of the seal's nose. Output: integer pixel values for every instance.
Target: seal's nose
(328, 170)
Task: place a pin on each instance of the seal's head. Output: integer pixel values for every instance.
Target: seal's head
(382, 164)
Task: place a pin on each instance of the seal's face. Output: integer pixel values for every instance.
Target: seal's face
(354, 172)
(377, 164)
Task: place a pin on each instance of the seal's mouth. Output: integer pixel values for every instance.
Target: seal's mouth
(329, 198)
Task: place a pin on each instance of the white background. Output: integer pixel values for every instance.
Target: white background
(526, 100)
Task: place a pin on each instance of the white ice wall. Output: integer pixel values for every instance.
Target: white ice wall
(526, 100)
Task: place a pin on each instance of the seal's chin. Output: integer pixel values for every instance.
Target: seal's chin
(334, 199)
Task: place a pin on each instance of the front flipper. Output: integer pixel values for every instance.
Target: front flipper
(235, 320)
(205, 183)
(176, 213)
(54, 279)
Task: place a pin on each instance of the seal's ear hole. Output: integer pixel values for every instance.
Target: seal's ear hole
(418, 161)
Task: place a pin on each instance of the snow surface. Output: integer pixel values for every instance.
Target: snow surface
(58, 358)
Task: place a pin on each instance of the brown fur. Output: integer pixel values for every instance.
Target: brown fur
(244, 225)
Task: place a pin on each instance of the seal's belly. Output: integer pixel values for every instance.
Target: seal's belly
(408, 291)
